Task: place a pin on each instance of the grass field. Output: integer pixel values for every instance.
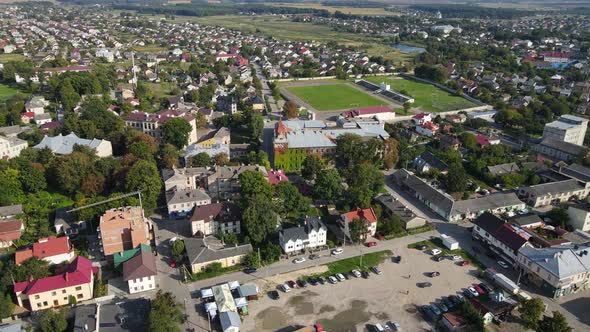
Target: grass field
(7, 92)
(427, 97)
(357, 263)
(11, 57)
(346, 10)
(334, 97)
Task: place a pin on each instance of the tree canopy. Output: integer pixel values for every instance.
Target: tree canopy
(176, 132)
(166, 313)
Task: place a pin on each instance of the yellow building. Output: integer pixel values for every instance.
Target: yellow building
(204, 251)
(77, 282)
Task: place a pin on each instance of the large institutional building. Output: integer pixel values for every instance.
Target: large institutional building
(568, 128)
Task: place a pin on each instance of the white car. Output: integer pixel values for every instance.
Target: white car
(340, 277)
(356, 273)
(455, 257)
(285, 288)
(503, 264)
(472, 291)
(435, 252)
(337, 251)
(332, 280)
(299, 260)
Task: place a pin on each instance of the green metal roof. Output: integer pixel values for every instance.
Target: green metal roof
(123, 256)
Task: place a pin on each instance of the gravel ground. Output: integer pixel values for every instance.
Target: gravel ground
(350, 305)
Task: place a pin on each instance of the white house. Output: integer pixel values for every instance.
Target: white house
(311, 235)
(140, 272)
(503, 239)
(11, 147)
(428, 129)
(181, 202)
(54, 250)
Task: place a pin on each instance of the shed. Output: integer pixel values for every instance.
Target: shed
(206, 293)
(449, 242)
(230, 321)
(241, 302)
(248, 291)
(233, 285)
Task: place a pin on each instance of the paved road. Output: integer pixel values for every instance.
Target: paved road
(265, 89)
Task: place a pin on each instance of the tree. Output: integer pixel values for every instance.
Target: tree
(68, 96)
(200, 160)
(255, 125)
(559, 217)
(357, 229)
(392, 225)
(251, 260)
(290, 198)
(391, 158)
(53, 321)
(254, 183)
(362, 189)
(328, 185)
(291, 109)
(312, 165)
(469, 141)
(201, 121)
(531, 311)
(6, 306)
(32, 267)
(557, 323)
(221, 159)
(168, 156)
(176, 132)
(472, 315)
(166, 313)
(456, 179)
(259, 219)
(144, 176)
(178, 249)
(11, 191)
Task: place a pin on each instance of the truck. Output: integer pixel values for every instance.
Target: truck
(503, 281)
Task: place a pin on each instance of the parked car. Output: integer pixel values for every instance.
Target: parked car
(447, 302)
(313, 281)
(285, 288)
(332, 279)
(435, 309)
(503, 264)
(464, 263)
(455, 257)
(340, 277)
(299, 260)
(376, 270)
(347, 275)
(435, 252)
(371, 244)
(434, 274)
(472, 291)
(273, 294)
(394, 326)
(301, 283)
(438, 258)
(486, 288)
(454, 299)
(365, 274)
(442, 306)
(337, 251)
(424, 284)
(250, 270)
(356, 273)
(422, 247)
(396, 259)
(172, 263)
(460, 297)
(292, 284)
(322, 280)
(314, 256)
(479, 290)
(377, 328)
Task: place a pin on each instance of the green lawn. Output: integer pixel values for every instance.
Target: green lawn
(354, 263)
(7, 92)
(437, 243)
(334, 97)
(428, 97)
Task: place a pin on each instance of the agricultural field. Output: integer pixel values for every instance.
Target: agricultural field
(6, 92)
(328, 97)
(345, 10)
(427, 97)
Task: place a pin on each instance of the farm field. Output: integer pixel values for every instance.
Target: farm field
(427, 97)
(333, 96)
(7, 92)
(346, 10)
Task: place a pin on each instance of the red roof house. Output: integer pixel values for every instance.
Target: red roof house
(482, 140)
(275, 177)
(367, 111)
(362, 214)
(54, 250)
(10, 231)
(77, 281)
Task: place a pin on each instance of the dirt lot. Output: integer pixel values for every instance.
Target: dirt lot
(350, 305)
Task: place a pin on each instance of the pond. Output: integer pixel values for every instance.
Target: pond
(408, 48)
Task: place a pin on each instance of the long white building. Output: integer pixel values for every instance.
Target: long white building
(568, 128)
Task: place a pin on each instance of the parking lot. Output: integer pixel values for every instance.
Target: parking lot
(351, 304)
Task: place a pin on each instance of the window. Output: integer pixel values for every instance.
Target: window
(36, 297)
(63, 291)
(53, 293)
(44, 303)
(79, 296)
(39, 305)
(79, 288)
(65, 298)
